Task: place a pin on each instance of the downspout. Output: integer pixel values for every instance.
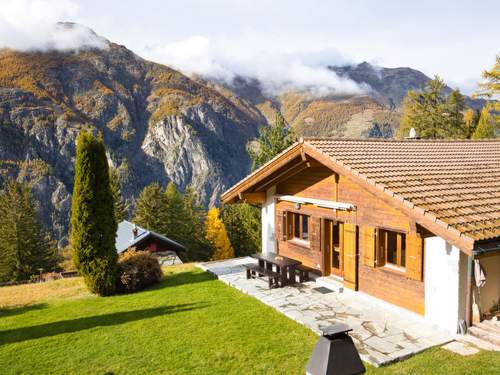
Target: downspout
(468, 295)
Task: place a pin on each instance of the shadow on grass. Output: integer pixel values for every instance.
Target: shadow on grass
(10, 311)
(84, 323)
(183, 278)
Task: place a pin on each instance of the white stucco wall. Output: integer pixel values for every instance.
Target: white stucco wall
(445, 283)
(268, 222)
(489, 294)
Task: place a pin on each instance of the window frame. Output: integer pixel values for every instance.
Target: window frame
(290, 235)
(400, 241)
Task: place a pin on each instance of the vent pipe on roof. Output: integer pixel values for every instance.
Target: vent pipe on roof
(413, 134)
(135, 231)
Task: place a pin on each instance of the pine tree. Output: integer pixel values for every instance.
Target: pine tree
(243, 226)
(432, 113)
(195, 215)
(485, 127)
(272, 140)
(93, 223)
(150, 209)
(176, 226)
(25, 246)
(119, 202)
(216, 235)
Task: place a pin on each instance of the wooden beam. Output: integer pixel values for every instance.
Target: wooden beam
(287, 173)
(260, 174)
(253, 198)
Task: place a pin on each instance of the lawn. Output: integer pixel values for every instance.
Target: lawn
(190, 323)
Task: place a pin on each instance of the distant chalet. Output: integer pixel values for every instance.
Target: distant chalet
(130, 236)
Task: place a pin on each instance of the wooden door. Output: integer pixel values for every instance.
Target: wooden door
(334, 243)
(326, 246)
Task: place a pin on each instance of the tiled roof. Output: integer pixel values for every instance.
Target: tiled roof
(456, 181)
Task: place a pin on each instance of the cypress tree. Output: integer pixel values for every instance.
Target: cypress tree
(93, 224)
(25, 246)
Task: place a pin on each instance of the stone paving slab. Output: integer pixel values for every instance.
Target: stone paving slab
(382, 334)
(461, 348)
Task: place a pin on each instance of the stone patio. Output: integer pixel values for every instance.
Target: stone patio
(382, 333)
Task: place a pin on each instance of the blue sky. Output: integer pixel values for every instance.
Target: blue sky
(455, 39)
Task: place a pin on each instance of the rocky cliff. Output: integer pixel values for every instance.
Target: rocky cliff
(157, 124)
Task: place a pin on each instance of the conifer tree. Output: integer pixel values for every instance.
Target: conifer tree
(195, 215)
(432, 113)
(217, 236)
(176, 227)
(93, 224)
(25, 246)
(243, 226)
(485, 127)
(119, 202)
(272, 140)
(150, 209)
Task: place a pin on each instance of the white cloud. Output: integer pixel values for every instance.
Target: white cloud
(278, 71)
(28, 25)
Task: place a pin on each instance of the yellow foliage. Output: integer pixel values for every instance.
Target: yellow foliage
(29, 72)
(102, 88)
(216, 234)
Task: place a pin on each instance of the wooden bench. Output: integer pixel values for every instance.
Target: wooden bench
(254, 270)
(302, 272)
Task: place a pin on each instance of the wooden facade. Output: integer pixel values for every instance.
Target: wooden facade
(352, 245)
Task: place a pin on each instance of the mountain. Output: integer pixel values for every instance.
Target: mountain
(157, 124)
(376, 113)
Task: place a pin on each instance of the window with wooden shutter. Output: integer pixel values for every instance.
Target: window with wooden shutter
(414, 255)
(368, 240)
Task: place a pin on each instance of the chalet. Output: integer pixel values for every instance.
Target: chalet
(130, 236)
(406, 222)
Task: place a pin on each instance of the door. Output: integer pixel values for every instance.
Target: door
(334, 244)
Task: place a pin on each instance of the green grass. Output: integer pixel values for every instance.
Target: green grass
(189, 324)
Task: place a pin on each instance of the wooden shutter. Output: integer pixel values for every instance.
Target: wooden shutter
(350, 268)
(380, 247)
(368, 239)
(279, 225)
(288, 235)
(414, 256)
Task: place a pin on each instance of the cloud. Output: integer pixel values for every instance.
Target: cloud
(277, 70)
(28, 25)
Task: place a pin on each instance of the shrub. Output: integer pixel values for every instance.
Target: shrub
(137, 270)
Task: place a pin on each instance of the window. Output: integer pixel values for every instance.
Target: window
(392, 248)
(299, 227)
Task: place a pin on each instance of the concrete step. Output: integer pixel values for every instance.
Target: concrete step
(481, 344)
(495, 325)
(330, 283)
(484, 334)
